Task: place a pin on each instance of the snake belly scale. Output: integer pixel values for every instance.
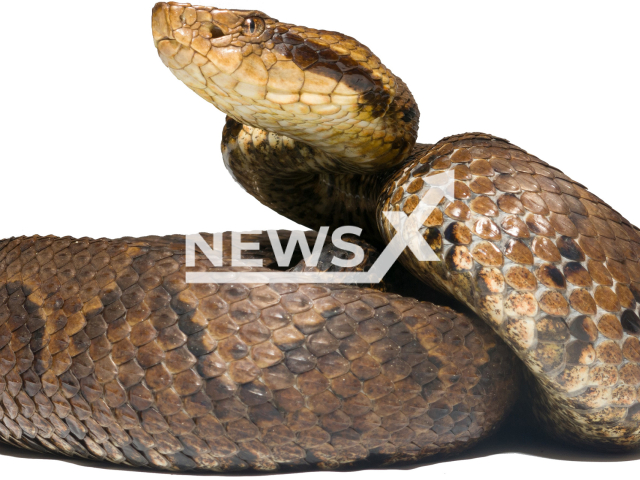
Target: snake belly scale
(107, 353)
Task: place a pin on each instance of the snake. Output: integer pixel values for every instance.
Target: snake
(107, 353)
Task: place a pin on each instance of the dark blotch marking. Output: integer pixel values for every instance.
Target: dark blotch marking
(328, 55)
(634, 412)
(409, 114)
(484, 281)
(347, 63)
(584, 329)
(283, 50)
(575, 350)
(358, 79)
(570, 249)
(434, 239)
(304, 56)
(369, 97)
(550, 276)
(630, 322)
(292, 39)
(232, 129)
(421, 169)
(458, 233)
(325, 69)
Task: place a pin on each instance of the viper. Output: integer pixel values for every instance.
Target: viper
(107, 352)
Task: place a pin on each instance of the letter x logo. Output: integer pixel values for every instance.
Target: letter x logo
(408, 227)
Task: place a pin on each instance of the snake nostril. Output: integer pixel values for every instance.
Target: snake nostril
(216, 32)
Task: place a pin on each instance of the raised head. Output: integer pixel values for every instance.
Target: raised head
(319, 87)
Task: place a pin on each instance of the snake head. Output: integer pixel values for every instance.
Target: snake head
(315, 86)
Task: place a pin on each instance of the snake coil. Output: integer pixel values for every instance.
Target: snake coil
(107, 353)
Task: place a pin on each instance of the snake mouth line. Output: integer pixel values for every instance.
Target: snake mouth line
(216, 34)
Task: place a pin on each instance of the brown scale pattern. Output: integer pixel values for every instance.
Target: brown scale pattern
(106, 353)
(548, 265)
(551, 267)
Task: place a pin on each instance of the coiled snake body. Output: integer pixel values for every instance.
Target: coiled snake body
(106, 352)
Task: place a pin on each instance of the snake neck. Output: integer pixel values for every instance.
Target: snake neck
(328, 172)
(303, 183)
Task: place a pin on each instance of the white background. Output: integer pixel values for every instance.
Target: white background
(99, 139)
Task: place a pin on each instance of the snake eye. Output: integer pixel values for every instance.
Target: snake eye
(253, 26)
